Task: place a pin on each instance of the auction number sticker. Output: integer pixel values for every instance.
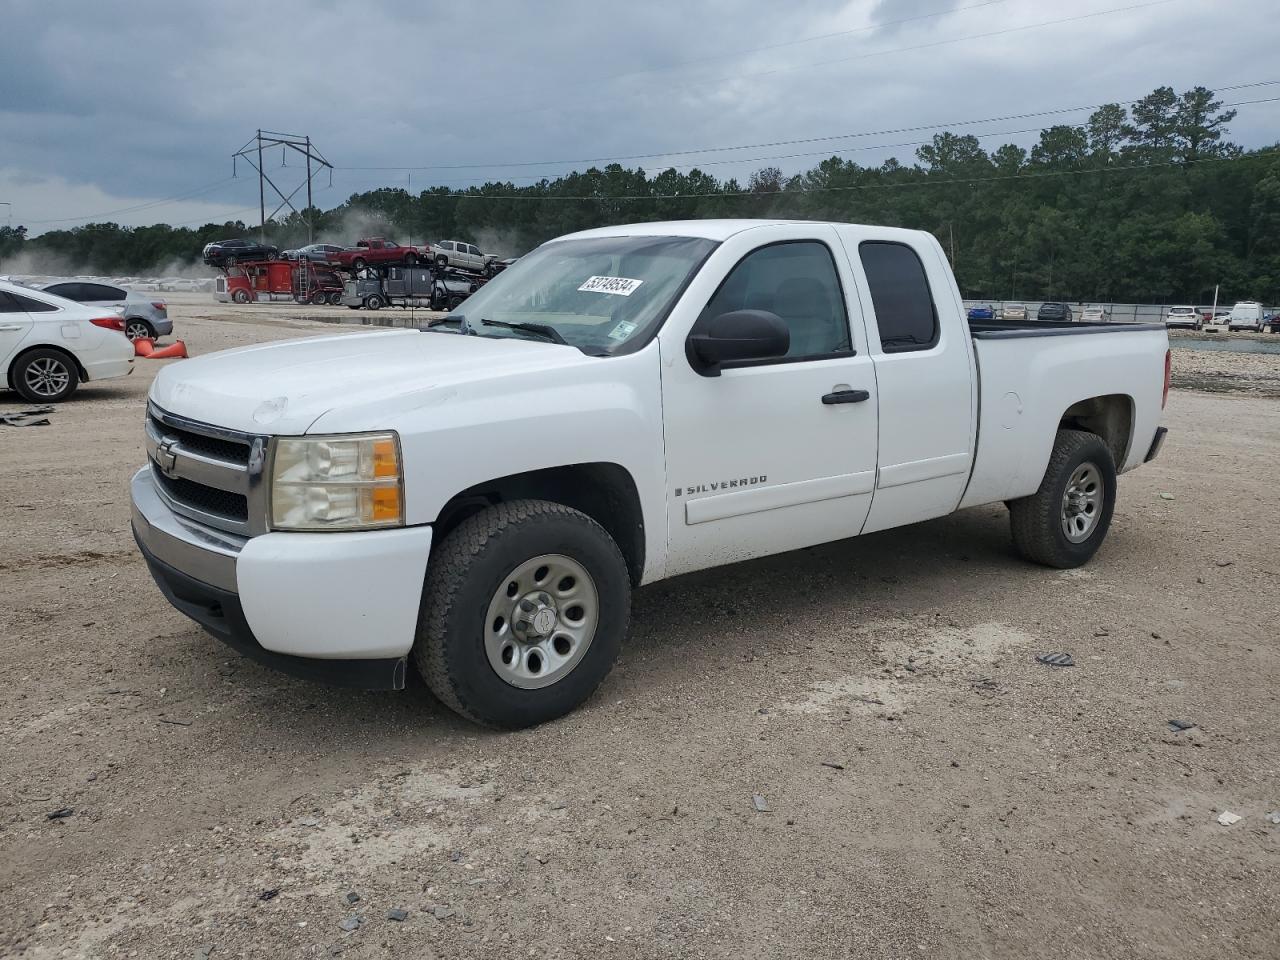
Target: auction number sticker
(620, 286)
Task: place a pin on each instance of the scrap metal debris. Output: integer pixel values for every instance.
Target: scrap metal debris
(1227, 818)
(60, 814)
(31, 417)
(1179, 725)
(1057, 659)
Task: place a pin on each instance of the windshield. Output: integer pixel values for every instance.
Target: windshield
(598, 294)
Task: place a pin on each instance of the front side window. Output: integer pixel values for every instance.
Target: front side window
(797, 281)
(905, 314)
(604, 295)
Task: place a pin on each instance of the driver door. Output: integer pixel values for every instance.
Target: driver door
(770, 455)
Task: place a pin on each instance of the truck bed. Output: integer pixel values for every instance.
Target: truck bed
(1015, 329)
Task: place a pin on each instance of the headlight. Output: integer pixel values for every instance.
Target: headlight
(351, 482)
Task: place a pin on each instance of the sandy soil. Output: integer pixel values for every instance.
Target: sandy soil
(931, 790)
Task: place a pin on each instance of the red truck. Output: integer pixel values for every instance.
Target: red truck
(376, 251)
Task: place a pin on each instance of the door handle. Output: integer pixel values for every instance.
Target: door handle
(11, 326)
(846, 396)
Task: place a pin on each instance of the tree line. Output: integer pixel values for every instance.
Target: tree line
(1147, 203)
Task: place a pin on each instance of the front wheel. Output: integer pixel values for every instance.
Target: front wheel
(1064, 522)
(524, 610)
(240, 296)
(373, 303)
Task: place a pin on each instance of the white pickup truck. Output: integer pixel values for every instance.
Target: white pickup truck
(621, 405)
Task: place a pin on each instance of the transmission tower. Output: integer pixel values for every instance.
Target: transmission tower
(265, 140)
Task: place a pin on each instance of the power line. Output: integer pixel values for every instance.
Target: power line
(142, 206)
(929, 182)
(786, 143)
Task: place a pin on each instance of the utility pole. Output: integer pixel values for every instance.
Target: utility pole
(264, 139)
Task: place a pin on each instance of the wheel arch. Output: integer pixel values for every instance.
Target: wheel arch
(605, 492)
(1109, 416)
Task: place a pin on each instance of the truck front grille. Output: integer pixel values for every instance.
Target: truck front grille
(207, 473)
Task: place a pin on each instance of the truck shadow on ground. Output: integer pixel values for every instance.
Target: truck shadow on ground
(697, 617)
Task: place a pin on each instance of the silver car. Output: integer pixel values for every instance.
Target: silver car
(466, 256)
(143, 316)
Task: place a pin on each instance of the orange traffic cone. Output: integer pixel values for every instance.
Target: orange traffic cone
(143, 346)
(177, 349)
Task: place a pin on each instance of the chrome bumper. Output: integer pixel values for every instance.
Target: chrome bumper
(201, 553)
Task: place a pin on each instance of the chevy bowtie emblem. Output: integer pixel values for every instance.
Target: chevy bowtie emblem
(166, 459)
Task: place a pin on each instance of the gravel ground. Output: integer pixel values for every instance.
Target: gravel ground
(929, 788)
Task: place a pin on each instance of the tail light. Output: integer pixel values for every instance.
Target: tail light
(160, 305)
(109, 323)
(1168, 364)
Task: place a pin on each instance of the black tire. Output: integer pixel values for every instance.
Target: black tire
(29, 373)
(373, 303)
(442, 261)
(240, 296)
(410, 259)
(357, 264)
(469, 566)
(272, 255)
(319, 298)
(335, 298)
(1037, 521)
(136, 329)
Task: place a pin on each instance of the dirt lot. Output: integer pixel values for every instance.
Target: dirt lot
(932, 790)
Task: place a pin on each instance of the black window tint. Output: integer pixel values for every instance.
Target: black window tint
(32, 306)
(98, 291)
(905, 314)
(72, 291)
(8, 304)
(797, 281)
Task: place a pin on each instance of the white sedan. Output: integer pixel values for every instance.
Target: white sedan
(49, 345)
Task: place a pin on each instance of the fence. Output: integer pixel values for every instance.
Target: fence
(1119, 312)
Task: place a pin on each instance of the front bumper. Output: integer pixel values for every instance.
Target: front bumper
(337, 607)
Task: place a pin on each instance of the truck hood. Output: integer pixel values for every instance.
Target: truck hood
(285, 387)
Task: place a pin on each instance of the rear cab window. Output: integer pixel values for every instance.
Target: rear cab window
(905, 313)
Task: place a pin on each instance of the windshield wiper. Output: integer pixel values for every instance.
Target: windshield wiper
(543, 329)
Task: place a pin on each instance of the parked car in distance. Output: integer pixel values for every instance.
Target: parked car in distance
(479, 496)
(49, 344)
(315, 252)
(1245, 315)
(981, 313)
(377, 251)
(143, 316)
(464, 256)
(1185, 318)
(1013, 311)
(1095, 315)
(1054, 312)
(227, 253)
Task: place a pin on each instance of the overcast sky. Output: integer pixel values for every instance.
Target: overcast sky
(105, 107)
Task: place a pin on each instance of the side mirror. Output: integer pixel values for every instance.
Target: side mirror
(737, 335)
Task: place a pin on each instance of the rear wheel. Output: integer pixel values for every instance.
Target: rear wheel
(442, 261)
(44, 376)
(357, 264)
(410, 259)
(524, 611)
(135, 329)
(319, 297)
(335, 298)
(1064, 522)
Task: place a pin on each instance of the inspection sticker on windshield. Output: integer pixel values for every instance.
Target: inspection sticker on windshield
(623, 330)
(618, 285)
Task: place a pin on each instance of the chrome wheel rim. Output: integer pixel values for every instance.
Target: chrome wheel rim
(47, 376)
(1082, 503)
(137, 330)
(541, 621)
